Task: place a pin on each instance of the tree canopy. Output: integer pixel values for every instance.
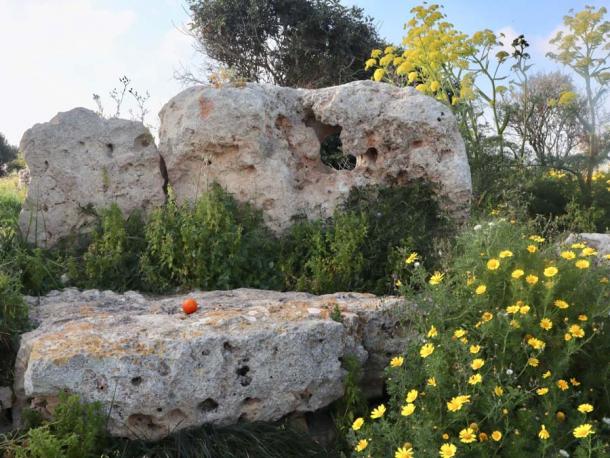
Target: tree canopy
(7, 151)
(300, 43)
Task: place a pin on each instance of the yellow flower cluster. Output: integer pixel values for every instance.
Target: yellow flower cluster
(432, 52)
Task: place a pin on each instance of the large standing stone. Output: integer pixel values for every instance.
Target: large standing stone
(80, 162)
(262, 143)
(245, 355)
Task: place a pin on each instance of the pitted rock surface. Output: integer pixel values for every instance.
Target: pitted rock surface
(262, 144)
(244, 355)
(80, 162)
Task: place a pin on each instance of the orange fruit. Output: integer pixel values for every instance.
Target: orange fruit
(189, 306)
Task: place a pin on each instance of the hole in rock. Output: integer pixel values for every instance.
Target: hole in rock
(140, 422)
(227, 346)
(305, 395)
(371, 156)
(163, 368)
(243, 370)
(109, 148)
(142, 141)
(331, 148)
(332, 155)
(136, 381)
(244, 378)
(208, 405)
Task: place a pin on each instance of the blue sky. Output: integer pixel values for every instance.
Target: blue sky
(56, 53)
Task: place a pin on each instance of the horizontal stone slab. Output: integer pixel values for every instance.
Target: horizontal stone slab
(246, 354)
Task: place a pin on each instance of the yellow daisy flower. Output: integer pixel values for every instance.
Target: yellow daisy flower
(583, 431)
(585, 408)
(412, 396)
(397, 361)
(412, 258)
(362, 444)
(426, 350)
(378, 411)
(493, 264)
(407, 410)
(562, 384)
(358, 422)
(404, 452)
(467, 436)
(546, 324)
(436, 278)
(517, 273)
(477, 363)
(447, 450)
(475, 379)
(551, 271)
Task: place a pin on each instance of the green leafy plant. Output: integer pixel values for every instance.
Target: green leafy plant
(76, 431)
(112, 258)
(213, 243)
(324, 257)
(13, 320)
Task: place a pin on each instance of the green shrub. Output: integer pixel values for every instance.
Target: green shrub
(558, 194)
(112, 258)
(212, 244)
(362, 248)
(13, 320)
(76, 431)
(510, 329)
(323, 257)
(399, 220)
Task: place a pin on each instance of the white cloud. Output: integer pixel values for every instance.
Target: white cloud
(56, 53)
